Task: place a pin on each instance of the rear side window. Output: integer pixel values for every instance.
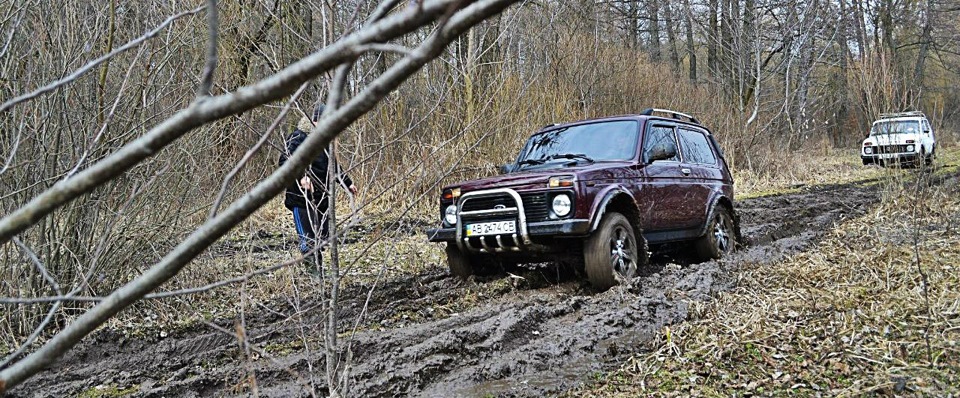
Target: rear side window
(696, 148)
(657, 135)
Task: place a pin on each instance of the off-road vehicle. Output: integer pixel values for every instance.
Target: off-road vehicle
(599, 190)
(898, 138)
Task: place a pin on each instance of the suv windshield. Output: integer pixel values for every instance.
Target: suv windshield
(592, 142)
(895, 127)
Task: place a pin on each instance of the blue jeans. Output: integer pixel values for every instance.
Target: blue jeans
(308, 223)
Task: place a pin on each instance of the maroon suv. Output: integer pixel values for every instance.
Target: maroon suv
(599, 190)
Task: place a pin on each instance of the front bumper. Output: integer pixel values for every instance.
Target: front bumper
(890, 157)
(509, 207)
(562, 228)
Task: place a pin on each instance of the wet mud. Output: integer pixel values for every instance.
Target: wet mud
(532, 334)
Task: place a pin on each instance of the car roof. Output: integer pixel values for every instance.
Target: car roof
(900, 119)
(635, 117)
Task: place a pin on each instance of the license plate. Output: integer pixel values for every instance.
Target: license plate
(492, 228)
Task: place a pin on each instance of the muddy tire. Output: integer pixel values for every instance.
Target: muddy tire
(614, 252)
(721, 237)
(462, 265)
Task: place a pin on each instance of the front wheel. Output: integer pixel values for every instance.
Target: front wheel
(721, 236)
(462, 265)
(614, 252)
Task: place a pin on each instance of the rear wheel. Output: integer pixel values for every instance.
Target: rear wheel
(614, 252)
(721, 236)
(928, 158)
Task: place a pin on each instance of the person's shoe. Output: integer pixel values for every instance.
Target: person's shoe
(315, 272)
(312, 267)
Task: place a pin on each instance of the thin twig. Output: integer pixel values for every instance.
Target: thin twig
(36, 262)
(919, 194)
(253, 150)
(214, 108)
(208, 233)
(93, 64)
(108, 119)
(33, 336)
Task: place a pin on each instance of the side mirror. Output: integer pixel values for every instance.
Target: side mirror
(507, 168)
(662, 151)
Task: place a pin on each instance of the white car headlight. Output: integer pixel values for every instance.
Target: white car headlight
(868, 150)
(450, 215)
(910, 148)
(561, 205)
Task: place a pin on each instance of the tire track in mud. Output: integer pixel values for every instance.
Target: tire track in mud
(539, 339)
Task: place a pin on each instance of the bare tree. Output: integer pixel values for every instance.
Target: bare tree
(453, 18)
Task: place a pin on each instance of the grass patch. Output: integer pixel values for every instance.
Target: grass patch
(109, 391)
(846, 318)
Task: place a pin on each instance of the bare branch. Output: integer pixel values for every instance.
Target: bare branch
(36, 262)
(109, 118)
(93, 64)
(213, 22)
(253, 150)
(33, 336)
(327, 129)
(214, 108)
(386, 47)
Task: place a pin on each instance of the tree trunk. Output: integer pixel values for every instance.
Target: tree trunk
(671, 38)
(925, 39)
(862, 42)
(714, 37)
(691, 50)
(654, 10)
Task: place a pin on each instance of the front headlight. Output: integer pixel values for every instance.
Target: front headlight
(561, 205)
(450, 215)
(910, 148)
(868, 150)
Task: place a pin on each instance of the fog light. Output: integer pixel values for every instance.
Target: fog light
(909, 148)
(561, 205)
(450, 215)
(868, 150)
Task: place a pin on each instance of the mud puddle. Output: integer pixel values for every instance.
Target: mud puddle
(541, 336)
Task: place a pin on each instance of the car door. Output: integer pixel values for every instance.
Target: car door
(663, 197)
(928, 140)
(705, 175)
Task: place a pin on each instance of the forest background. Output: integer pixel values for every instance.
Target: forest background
(775, 80)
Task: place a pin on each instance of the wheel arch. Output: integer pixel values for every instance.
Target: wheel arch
(727, 203)
(621, 201)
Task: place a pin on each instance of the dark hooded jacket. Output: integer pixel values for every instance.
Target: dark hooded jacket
(294, 196)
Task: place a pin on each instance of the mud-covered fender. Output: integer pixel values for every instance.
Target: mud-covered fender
(603, 199)
(714, 202)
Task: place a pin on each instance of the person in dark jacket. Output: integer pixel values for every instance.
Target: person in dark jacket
(307, 197)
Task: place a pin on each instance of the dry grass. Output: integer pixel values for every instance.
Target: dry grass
(846, 318)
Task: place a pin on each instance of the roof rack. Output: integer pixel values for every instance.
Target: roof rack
(901, 114)
(671, 114)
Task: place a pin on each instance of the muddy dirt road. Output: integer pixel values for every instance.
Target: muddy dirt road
(531, 337)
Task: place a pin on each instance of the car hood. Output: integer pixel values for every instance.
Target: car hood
(892, 139)
(533, 178)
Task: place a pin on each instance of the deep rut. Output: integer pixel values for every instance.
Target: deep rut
(537, 339)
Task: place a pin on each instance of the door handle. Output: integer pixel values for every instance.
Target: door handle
(685, 171)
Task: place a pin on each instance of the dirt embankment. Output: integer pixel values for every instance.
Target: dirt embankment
(537, 335)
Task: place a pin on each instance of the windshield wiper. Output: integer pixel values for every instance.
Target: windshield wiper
(572, 156)
(532, 161)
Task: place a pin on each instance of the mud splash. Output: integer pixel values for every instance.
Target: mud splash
(540, 338)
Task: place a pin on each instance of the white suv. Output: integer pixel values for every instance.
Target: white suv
(899, 137)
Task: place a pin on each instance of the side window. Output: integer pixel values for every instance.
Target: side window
(926, 127)
(696, 148)
(658, 135)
